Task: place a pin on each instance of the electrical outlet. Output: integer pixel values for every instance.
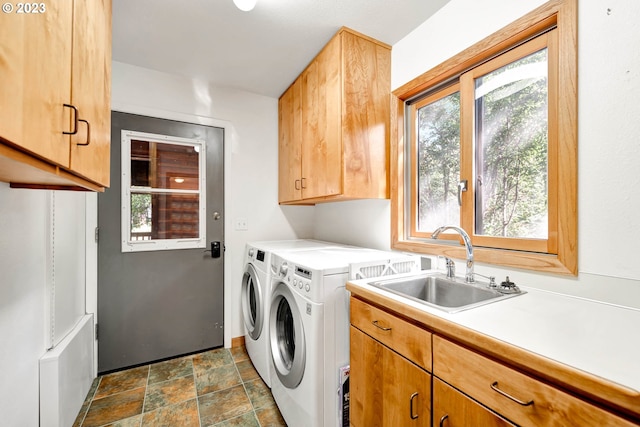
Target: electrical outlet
(241, 224)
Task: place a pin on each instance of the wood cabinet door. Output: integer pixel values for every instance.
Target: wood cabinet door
(453, 409)
(321, 124)
(290, 143)
(35, 68)
(387, 390)
(91, 90)
(365, 115)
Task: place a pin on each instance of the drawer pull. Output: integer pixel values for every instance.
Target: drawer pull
(413, 396)
(494, 386)
(297, 184)
(444, 417)
(375, 323)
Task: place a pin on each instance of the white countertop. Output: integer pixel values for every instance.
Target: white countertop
(595, 337)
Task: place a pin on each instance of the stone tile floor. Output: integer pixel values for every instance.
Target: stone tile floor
(217, 388)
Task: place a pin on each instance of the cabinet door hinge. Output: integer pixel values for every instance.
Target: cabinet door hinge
(97, 234)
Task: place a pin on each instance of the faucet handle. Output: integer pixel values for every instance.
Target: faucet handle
(450, 266)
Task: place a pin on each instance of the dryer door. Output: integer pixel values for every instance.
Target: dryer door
(252, 302)
(287, 338)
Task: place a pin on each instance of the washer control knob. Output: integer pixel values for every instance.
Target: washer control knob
(251, 252)
(295, 283)
(308, 287)
(283, 269)
(300, 284)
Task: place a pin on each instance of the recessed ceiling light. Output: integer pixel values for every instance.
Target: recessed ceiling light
(245, 5)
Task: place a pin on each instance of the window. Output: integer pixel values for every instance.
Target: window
(163, 198)
(491, 146)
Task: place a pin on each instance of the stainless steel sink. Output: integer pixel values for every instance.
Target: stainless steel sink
(436, 290)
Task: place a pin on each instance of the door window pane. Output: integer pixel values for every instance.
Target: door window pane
(163, 197)
(438, 162)
(140, 216)
(163, 165)
(511, 150)
(164, 216)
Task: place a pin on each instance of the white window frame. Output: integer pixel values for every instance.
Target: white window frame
(129, 245)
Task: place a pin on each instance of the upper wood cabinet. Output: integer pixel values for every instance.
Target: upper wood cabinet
(334, 124)
(91, 89)
(55, 71)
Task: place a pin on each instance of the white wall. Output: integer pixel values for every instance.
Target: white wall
(41, 250)
(251, 160)
(608, 177)
(23, 218)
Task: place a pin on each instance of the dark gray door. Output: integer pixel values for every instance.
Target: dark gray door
(159, 304)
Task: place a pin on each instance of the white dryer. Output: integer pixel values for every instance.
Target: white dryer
(309, 329)
(256, 296)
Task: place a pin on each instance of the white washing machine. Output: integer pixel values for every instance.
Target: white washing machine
(256, 296)
(309, 329)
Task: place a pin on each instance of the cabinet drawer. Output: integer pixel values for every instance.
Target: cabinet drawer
(411, 341)
(454, 409)
(518, 397)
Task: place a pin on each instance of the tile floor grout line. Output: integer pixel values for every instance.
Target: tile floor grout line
(195, 386)
(253, 408)
(144, 400)
(84, 417)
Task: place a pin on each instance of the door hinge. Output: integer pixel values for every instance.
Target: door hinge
(96, 338)
(97, 234)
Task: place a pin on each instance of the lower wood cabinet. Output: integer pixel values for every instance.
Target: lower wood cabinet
(386, 388)
(453, 409)
(517, 396)
(404, 375)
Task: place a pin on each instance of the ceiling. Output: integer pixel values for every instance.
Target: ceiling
(261, 51)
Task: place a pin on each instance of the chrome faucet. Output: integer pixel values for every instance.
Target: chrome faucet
(467, 243)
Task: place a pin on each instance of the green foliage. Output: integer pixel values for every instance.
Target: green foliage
(140, 210)
(512, 158)
(439, 162)
(511, 153)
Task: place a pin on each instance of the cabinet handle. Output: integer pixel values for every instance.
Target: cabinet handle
(75, 120)
(444, 417)
(375, 323)
(297, 184)
(494, 386)
(303, 180)
(413, 396)
(88, 133)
